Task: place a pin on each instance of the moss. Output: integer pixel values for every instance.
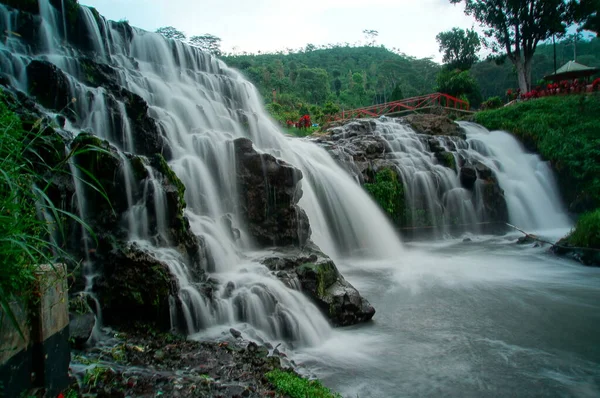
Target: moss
(289, 383)
(388, 191)
(138, 166)
(325, 275)
(160, 164)
(447, 159)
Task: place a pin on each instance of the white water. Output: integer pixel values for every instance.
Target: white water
(434, 195)
(201, 106)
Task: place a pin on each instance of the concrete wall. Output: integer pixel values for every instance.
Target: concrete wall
(40, 357)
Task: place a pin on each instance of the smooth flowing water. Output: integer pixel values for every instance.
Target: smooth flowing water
(485, 318)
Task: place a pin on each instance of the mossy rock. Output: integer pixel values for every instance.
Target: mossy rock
(323, 275)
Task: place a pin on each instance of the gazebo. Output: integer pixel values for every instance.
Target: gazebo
(572, 70)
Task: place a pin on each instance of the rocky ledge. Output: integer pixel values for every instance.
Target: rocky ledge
(143, 363)
(317, 276)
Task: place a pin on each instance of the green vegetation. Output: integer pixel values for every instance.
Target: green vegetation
(32, 228)
(587, 231)
(388, 192)
(294, 386)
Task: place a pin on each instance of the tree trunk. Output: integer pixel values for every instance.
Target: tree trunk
(524, 82)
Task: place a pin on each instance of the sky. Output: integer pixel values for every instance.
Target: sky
(273, 25)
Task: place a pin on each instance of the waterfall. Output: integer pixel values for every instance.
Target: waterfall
(201, 106)
(529, 185)
(430, 167)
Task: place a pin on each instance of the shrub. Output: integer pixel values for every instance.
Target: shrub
(587, 231)
(492, 103)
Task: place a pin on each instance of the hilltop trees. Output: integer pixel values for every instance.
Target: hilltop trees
(207, 43)
(171, 33)
(459, 48)
(516, 27)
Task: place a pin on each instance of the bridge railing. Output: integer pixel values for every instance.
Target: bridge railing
(404, 105)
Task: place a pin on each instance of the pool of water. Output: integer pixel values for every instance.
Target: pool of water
(484, 317)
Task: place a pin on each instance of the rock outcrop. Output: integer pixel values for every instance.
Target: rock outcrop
(269, 193)
(318, 277)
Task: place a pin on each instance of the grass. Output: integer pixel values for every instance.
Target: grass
(32, 228)
(294, 386)
(565, 131)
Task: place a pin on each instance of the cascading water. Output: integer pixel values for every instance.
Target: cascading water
(529, 186)
(434, 169)
(201, 106)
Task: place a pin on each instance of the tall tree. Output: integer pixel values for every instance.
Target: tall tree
(517, 26)
(459, 48)
(586, 12)
(171, 33)
(371, 36)
(207, 43)
(314, 83)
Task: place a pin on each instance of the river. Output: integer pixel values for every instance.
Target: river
(480, 318)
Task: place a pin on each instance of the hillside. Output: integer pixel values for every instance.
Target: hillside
(351, 77)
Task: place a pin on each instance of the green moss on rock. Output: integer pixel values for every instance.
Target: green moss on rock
(160, 164)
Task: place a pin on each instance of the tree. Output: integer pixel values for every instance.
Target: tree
(586, 12)
(459, 47)
(371, 36)
(314, 83)
(207, 43)
(459, 84)
(517, 26)
(397, 93)
(171, 33)
(337, 85)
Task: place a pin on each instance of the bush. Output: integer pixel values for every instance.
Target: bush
(294, 386)
(587, 231)
(492, 103)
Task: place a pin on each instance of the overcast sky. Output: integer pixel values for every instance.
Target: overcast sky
(272, 25)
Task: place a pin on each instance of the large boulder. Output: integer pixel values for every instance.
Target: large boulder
(135, 286)
(49, 85)
(269, 193)
(319, 278)
(433, 125)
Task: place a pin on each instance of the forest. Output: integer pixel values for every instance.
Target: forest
(323, 80)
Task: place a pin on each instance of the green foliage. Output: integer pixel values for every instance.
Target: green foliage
(587, 13)
(459, 48)
(207, 43)
(587, 231)
(294, 386)
(313, 83)
(388, 192)
(564, 130)
(492, 103)
(494, 79)
(458, 84)
(32, 228)
(516, 27)
(171, 33)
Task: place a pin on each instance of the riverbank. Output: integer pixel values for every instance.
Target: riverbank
(564, 131)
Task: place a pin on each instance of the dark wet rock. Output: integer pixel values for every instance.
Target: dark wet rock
(135, 286)
(587, 256)
(483, 171)
(235, 333)
(49, 85)
(81, 320)
(433, 125)
(527, 239)
(494, 209)
(269, 195)
(143, 363)
(468, 176)
(467, 240)
(320, 280)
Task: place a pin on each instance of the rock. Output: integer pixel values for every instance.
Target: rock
(483, 172)
(49, 85)
(235, 333)
(134, 286)
(467, 176)
(494, 209)
(269, 195)
(527, 239)
(467, 240)
(321, 281)
(433, 124)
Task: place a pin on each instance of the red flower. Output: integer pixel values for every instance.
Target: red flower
(61, 395)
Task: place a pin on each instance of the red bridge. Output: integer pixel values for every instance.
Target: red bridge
(436, 100)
